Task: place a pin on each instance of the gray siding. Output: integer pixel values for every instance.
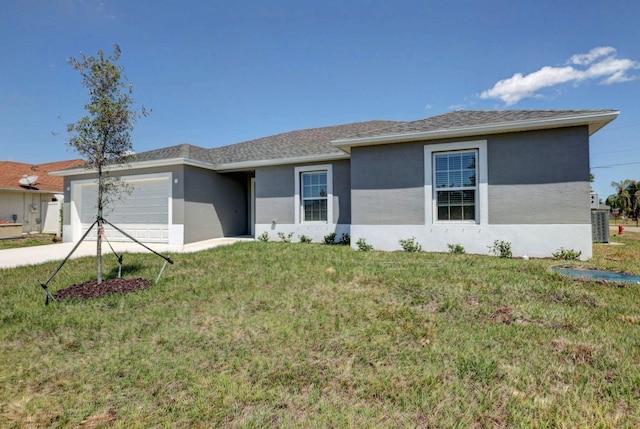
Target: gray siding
(275, 190)
(539, 177)
(215, 205)
(274, 194)
(342, 192)
(388, 184)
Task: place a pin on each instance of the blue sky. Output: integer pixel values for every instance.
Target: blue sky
(222, 72)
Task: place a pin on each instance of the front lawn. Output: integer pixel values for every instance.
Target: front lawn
(27, 240)
(294, 335)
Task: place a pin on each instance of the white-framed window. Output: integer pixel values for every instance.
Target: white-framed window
(313, 194)
(456, 185)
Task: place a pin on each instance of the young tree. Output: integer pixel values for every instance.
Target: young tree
(102, 137)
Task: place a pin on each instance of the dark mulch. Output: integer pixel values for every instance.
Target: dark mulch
(91, 289)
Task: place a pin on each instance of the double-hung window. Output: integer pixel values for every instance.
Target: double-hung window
(314, 195)
(455, 176)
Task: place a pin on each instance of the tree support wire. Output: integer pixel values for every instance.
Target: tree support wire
(44, 285)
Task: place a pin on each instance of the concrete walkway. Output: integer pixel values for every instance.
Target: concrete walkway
(10, 258)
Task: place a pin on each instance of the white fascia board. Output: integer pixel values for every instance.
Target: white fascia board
(28, 191)
(594, 120)
(136, 165)
(281, 161)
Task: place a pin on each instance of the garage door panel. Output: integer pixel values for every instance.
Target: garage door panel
(143, 213)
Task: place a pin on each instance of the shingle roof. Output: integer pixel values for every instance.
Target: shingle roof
(314, 141)
(335, 140)
(470, 118)
(11, 173)
(184, 150)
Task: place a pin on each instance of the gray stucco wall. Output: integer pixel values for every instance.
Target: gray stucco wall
(539, 177)
(275, 189)
(388, 184)
(215, 205)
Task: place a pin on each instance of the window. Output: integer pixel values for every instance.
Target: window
(455, 179)
(314, 196)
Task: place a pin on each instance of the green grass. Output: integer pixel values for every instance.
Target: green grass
(26, 241)
(272, 334)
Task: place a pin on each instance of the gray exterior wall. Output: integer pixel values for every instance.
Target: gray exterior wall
(215, 205)
(539, 177)
(388, 184)
(275, 190)
(208, 204)
(274, 194)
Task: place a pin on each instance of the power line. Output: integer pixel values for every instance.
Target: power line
(616, 165)
(616, 151)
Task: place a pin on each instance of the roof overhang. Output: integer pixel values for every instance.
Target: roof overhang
(30, 191)
(135, 165)
(232, 166)
(595, 121)
(249, 165)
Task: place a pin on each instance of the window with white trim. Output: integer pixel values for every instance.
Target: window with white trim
(314, 195)
(455, 178)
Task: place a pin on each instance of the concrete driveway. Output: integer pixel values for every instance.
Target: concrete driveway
(11, 258)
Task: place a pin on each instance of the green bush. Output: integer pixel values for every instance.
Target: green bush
(456, 249)
(330, 238)
(410, 245)
(264, 237)
(306, 240)
(345, 239)
(501, 248)
(567, 254)
(363, 246)
(285, 238)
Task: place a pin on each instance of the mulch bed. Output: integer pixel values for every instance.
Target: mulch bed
(91, 289)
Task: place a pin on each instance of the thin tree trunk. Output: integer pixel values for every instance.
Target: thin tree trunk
(100, 226)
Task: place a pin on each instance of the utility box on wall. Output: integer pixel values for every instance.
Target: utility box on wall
(600, 226)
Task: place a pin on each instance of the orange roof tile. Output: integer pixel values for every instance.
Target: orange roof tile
(11, 173)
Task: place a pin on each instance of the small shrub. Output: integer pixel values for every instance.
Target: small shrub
(330, 238)
(285, 238)
(501, 248)
(456, 249)
(410, 245)
(345, 239)
(363, 246)
(306, 240)
(264, 237)
(567, 254)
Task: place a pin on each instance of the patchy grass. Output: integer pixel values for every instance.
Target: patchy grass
(275, 334)
(27, 240)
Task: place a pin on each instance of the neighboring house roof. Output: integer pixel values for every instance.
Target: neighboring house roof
(11, 173)
(294, 144)
(465, 123)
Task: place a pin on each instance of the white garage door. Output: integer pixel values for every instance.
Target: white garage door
(143, 214)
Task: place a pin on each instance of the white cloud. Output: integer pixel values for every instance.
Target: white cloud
(584, 59)
(598, 63)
